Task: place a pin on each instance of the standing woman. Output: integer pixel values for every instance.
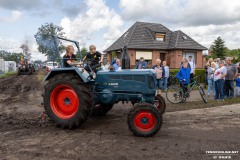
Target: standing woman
(208, 64)
(165, 79)
(219, 79)
(210, 71)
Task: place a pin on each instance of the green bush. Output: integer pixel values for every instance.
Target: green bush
(198, 72)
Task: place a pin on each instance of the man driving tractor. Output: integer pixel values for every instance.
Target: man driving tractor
(69, 57)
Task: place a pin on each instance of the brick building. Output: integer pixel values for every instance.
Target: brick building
(152, 41)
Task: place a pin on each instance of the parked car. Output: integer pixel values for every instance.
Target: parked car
(50, 66)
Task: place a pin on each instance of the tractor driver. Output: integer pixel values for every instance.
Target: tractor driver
(94, 58)
(69, 57)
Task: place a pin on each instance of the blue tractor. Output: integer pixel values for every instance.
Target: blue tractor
(71, 95)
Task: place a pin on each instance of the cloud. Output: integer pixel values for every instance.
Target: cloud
(13, 46)
(10, 45)
(73, 10)
(20, 4)
(98, 17)
(204, 21)
(15, 16)
(183, 12)
(207, 34)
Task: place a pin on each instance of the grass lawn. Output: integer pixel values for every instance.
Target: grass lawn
(7, 74)
(200, 104)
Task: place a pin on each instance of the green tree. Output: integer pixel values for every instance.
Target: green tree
(47, 31)
(219, 49)
(8, 56)
(233, 53)
(234, 60)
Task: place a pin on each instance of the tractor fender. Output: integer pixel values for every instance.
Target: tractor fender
(76, 71)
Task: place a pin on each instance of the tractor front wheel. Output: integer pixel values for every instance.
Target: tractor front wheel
(160, 103)
(144, 120)
(67, 100)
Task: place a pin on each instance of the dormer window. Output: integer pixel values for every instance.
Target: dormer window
(184, 37)
(160, 37)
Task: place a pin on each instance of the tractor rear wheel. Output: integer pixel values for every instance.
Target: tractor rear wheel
(101, 109)
(67, 100)
(144, 120)
(160, 103)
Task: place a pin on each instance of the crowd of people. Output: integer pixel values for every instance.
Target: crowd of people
(220, 78)
(219, 74)
(161, 68)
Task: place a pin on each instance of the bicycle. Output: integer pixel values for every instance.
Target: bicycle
(175, 94)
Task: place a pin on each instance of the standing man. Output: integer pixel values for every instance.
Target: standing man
(232, 73)
(160, 73)
(69, 57)
(193, 66)
(166, 68)
(141, 64)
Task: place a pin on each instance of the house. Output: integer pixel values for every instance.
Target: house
(152, 41)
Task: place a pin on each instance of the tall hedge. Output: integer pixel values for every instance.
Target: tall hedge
(198, 72)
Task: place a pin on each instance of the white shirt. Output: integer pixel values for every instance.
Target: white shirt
(166, 68)
(192, 66)
(219, 72)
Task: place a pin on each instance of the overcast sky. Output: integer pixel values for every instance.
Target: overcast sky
(101, 22)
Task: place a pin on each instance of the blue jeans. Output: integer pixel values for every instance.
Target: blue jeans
(165, 83)
(159, 83)
(211, 86)
(229, 88)
(219, 85)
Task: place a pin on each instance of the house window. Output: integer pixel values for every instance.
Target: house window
(147, 55)
(160, 37)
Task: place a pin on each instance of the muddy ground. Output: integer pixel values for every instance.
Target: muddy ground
(186, 133)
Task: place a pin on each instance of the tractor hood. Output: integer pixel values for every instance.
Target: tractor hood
(127, 81)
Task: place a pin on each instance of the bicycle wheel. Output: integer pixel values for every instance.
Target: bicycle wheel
(172, 80)
(174, 94)
(202, 93)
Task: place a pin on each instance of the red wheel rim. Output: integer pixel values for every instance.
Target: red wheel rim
(64, 101)
(144, 121)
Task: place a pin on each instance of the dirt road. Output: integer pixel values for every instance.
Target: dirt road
(187, 134)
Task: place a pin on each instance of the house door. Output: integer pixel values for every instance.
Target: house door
(163, 56)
